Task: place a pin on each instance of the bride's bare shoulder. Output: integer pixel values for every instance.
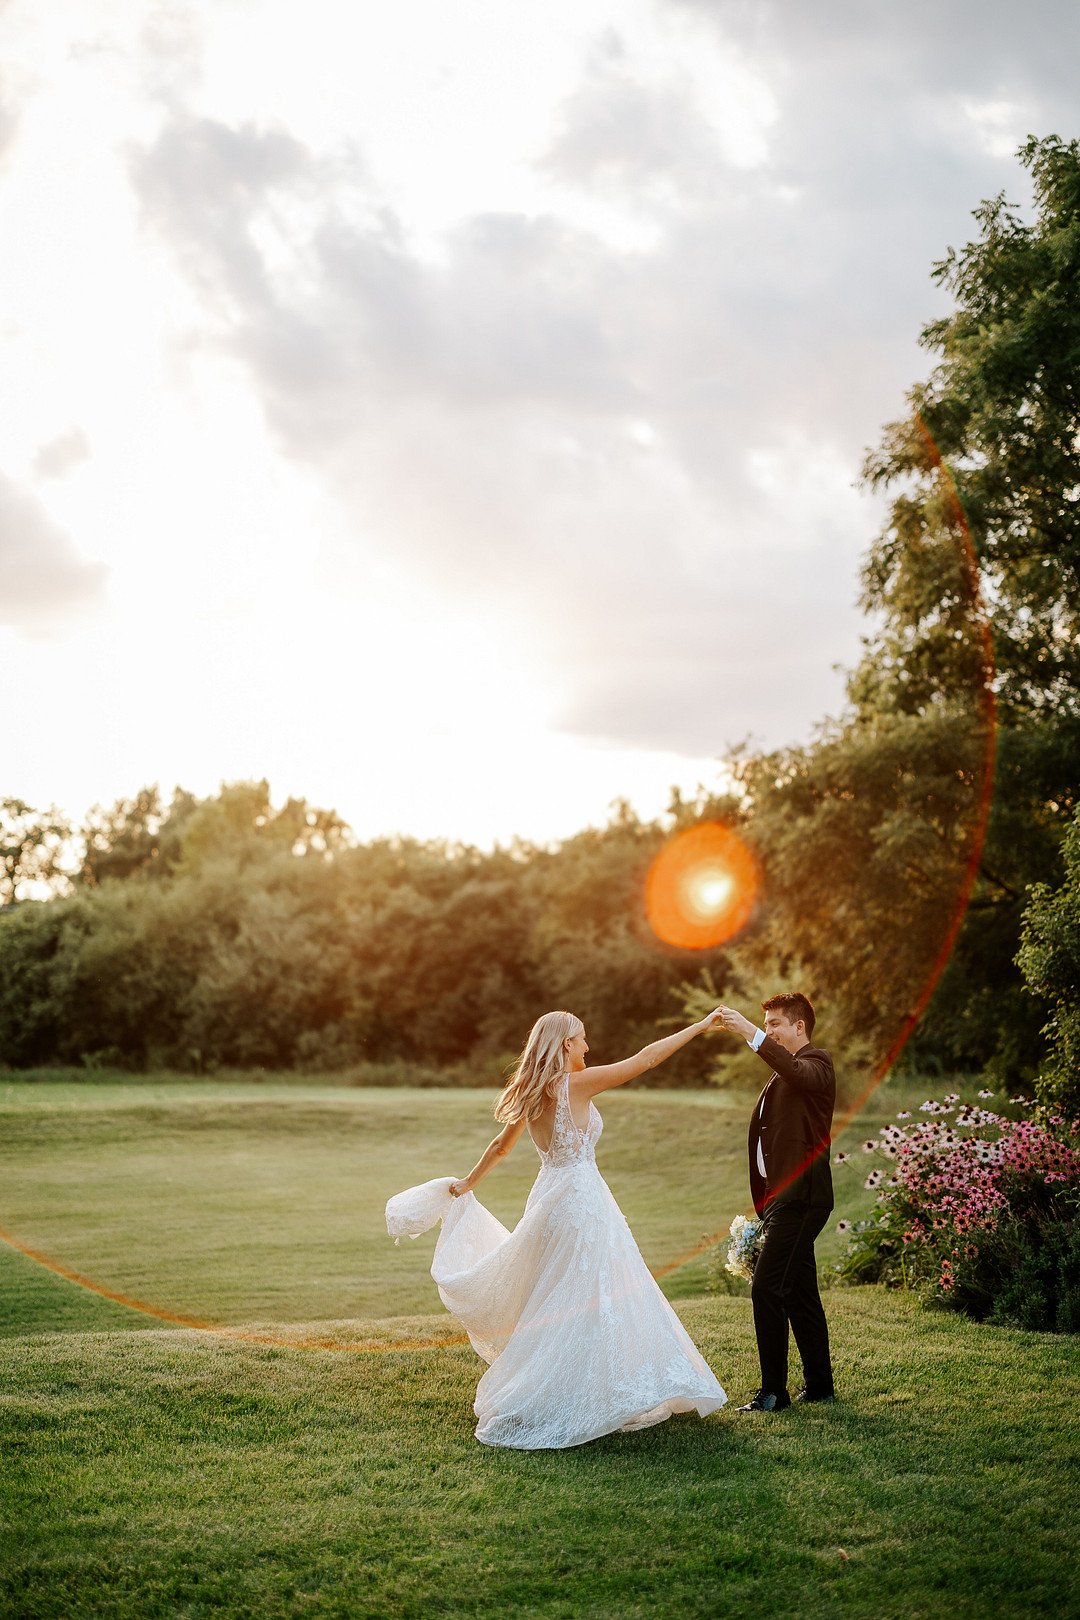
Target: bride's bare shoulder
(580, 1097)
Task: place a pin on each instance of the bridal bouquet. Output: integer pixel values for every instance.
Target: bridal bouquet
(744, 1246)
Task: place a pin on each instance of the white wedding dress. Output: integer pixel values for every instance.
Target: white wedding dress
(580, 1340)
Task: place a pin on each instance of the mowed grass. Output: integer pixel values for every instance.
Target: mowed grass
(264, 1203)
(150, 1471)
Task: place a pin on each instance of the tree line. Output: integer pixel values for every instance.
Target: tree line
(223, 931)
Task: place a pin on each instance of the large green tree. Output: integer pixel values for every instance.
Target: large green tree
(999, 419)
(870, 833)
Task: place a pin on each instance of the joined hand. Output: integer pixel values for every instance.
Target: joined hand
(735, 1023)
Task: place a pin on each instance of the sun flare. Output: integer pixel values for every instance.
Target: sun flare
(702, 887)
(710, 891)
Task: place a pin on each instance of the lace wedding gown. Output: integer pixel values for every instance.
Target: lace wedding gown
(579, 1338)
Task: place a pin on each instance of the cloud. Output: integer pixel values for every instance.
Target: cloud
(43, 580)
(532, 424)
(870, 91)
(642, 458)
(654, 128)
(9, 123)
(212, 178)
(61, 454)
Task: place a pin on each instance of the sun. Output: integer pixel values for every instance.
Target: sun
(702, 888)
(711, 891)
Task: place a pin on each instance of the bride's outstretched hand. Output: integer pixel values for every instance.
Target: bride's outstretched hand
(457, 1188)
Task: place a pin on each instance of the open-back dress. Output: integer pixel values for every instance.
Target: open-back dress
(579, 1339)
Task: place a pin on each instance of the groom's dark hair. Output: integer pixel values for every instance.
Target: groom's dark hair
(794, 1005)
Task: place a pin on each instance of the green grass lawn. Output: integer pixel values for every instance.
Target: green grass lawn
(264, 1203)
(155, 1471)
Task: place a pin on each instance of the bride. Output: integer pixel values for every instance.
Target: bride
(579, 1339)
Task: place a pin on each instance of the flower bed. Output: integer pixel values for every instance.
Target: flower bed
(978, 1209)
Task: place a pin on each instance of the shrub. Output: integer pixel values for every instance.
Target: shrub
(980, 1211)
(1049, 958)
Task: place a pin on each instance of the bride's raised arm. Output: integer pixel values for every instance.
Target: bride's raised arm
(607, 1075)
(496, 1149)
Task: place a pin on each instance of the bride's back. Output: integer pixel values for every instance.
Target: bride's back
(541, 1127)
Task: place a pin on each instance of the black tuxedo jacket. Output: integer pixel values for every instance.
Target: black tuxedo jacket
(792, 1120)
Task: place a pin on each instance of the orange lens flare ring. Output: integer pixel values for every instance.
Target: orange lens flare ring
(702, 888)
(986, 704)
(199, 1324)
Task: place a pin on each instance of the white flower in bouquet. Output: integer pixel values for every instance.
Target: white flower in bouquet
(743, 1249)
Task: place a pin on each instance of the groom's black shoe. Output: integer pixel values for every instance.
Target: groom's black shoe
(809, 1397)
(767, 1400)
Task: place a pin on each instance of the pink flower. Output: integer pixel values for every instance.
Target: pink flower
(843, 1226)
(869, 1146)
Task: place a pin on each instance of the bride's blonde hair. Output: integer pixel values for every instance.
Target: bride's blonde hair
(538, 1070)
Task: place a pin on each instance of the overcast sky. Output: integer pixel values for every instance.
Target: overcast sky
(452, 410)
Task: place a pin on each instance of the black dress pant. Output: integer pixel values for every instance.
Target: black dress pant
(785, 1289)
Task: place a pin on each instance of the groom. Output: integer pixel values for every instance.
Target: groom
(791, 1184)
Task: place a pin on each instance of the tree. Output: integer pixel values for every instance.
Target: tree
(1049, 959)
(225, 931)
(872, 836)
(241, 823)
(1001, 411)
(866, 839)
(135, 835)
(33, 847)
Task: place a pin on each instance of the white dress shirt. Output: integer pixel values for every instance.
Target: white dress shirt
(753, 1042)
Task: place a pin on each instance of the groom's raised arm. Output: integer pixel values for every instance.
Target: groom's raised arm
(809, 1071)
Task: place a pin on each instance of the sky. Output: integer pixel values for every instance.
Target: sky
(453, 411)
